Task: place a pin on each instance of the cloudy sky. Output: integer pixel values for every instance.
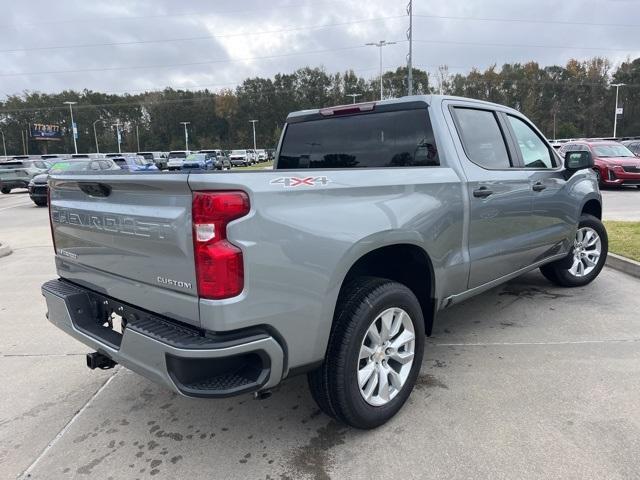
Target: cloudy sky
(135, 45)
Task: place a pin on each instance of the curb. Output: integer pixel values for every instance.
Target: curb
(4, 250)
(623, 264)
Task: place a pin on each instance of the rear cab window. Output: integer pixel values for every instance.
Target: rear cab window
(400, 138)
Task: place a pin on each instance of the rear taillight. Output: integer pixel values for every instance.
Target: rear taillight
(53, 237)
(219, 265)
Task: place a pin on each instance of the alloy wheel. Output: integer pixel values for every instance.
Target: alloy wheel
(386, 356)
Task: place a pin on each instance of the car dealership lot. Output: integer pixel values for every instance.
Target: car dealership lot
(526, 380)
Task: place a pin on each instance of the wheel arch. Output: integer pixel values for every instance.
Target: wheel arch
(592, 206)
(405, 263)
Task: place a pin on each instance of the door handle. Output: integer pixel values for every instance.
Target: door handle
(482, 192)
(538, 187)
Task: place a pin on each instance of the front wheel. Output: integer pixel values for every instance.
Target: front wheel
(40, 202)
(5, 190)
(374, 353)
(586, 259)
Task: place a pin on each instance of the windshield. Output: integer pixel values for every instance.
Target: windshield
(60, 167)
(177, 155)
(238, 152)
(612, 151)
(196, 157)
(146, 155)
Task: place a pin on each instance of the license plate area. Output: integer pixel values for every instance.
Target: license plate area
(100, 317)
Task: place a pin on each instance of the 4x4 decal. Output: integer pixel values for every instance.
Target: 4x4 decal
(300, 181)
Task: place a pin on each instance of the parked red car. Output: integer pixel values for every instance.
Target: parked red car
(614, 164)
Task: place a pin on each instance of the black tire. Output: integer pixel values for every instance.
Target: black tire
(598, 177)
(5, 190)
(40, 203)
(558, 272)
(334, 385)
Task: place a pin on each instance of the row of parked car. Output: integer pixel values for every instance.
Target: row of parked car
(32, 172)
(212, 159)
(616, 163)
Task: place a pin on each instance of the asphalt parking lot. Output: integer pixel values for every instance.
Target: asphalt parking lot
(524, 381)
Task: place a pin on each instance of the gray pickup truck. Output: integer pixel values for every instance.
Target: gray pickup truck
(335, 263)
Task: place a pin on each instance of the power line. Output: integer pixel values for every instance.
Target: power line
(189, 64)
(202, 37)
(522, 20)
(522, 45)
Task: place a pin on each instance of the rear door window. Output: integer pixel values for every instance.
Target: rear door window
(482, 138)
(386, 139)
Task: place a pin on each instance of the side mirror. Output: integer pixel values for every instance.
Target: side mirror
(574, 161)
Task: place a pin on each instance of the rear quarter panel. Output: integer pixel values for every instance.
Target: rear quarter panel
(299, 242)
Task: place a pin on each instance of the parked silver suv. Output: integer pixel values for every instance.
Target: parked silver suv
(17, 173)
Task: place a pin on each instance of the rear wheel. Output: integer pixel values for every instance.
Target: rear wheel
(374, 353)
(586, 259)
(5, 190)
(40, 203)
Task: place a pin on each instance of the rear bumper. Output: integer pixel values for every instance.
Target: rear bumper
(38, 192)
(189, 361)
(15, 183)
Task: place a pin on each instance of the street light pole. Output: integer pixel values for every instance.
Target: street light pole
(253, 124)
(615, 113)
(73, 125)
(354, 95)
(95, 135)
(4, 145)
(410, 55)
(380, 44)
(186, 135)
(117, 125)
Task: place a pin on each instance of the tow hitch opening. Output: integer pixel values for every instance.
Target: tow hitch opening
(98, 360)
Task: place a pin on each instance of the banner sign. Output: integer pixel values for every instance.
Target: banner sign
(41, 131)
(75, 130)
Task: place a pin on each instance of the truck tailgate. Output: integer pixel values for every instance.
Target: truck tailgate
(128, 236)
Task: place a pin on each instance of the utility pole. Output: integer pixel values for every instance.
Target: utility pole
(95, 135)
(353, 96)
(4, 145)
(118, 137)
(410, 55)
(26, 142)
(253, 124)
(186, 135)
(138, 138)
(24, 147)
(380, 44)
(74, 129)
(615, 116)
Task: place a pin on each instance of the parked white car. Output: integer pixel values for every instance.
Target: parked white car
(241, 158)
(176, 159)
